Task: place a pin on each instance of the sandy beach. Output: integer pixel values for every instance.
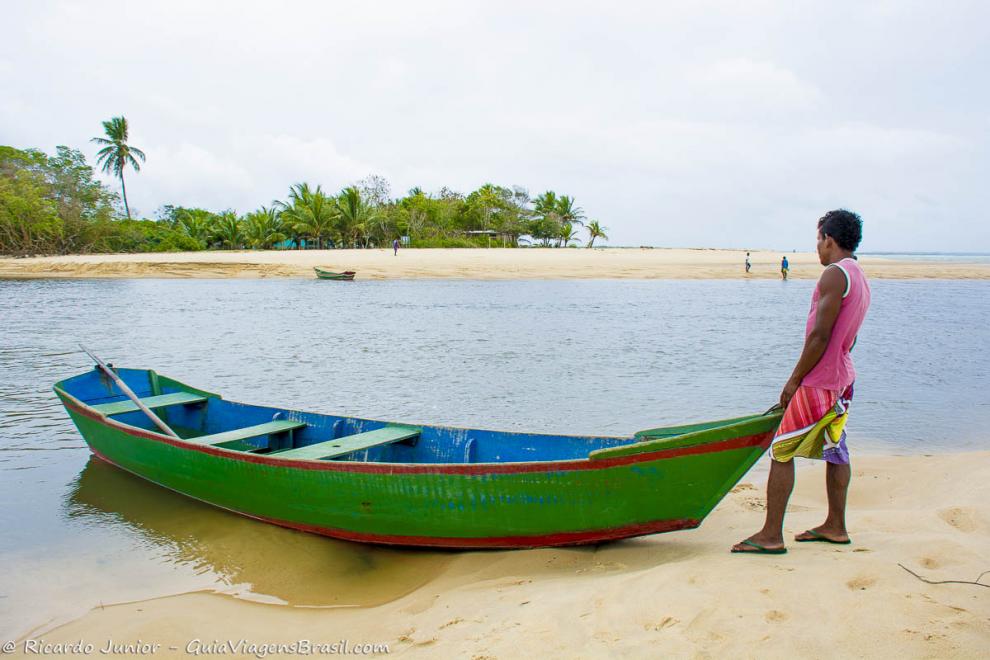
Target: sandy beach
(673, 595)
(482, 264)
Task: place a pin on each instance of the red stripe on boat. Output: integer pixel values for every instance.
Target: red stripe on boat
(758, 440)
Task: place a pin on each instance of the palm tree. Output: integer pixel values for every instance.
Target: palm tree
(547, 225)
(569, 213)
(310, 212)
(545, 204)
(355, 214)
(294, 233)
(263, 228)
(195, 223)
(568, 234)
(116, 154)
(228, 230)
(595, 230)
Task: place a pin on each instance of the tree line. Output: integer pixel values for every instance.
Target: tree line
(54, 205)
(364, 215)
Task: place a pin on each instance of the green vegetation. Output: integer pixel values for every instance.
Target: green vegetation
(53, 205)
(595, 230)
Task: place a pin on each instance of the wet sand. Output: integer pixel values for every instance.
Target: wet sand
(483, 264)
(679, 594)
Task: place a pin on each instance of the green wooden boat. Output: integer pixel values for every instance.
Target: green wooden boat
(409, 484)
(323, 274)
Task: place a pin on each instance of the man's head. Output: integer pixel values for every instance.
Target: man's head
(839, 234)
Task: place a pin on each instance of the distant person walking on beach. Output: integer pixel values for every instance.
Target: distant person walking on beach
(748, 265)
(784, 267)
(816, 398)
(395, 248)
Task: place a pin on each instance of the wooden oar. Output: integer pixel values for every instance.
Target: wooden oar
(133, 397)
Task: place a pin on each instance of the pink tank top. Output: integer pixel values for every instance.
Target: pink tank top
(834, 370)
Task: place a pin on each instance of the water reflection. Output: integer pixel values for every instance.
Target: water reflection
(256, 560)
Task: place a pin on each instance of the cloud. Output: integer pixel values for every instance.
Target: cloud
(738, 88)
(248, 171)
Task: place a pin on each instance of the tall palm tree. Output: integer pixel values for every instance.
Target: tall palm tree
(595, 230)
(116, 154)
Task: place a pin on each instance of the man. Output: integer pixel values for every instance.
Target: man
(748, 265)
(395, 248)
(784, 267)
(816, 397)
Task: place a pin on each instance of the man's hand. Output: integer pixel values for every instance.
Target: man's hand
(789, 390)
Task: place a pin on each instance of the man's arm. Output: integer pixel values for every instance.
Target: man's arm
(831, 287)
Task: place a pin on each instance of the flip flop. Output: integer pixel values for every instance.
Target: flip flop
(760, 550)
(820, 538)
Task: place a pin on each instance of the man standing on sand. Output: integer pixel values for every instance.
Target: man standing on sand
(395, 248)
(748, 265)
(816, 398)
(784, 267)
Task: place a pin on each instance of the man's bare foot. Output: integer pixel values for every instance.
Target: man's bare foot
(825, 535)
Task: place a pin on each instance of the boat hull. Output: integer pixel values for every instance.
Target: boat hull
(454, 505)
(345, 276)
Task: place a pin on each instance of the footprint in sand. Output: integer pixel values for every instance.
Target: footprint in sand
(665, 622)
(962, 519)
(754, 504)
(775, 616)
(861, 583)
(425, 642)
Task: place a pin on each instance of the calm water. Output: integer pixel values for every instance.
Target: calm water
(585, 357)
(944, 257)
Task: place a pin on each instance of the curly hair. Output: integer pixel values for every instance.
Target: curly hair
(845, 227)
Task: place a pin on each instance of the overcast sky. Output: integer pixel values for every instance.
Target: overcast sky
(729, 124)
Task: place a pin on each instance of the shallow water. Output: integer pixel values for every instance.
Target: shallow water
(582, 357)
(941, 257)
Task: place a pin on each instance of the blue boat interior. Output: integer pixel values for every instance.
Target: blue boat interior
(207, 419)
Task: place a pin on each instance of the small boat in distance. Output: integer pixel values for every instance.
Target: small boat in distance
(410, 484)
(347, 275)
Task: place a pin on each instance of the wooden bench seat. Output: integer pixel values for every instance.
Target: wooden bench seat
(160, 401)
(234, 439)
(351, 443)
